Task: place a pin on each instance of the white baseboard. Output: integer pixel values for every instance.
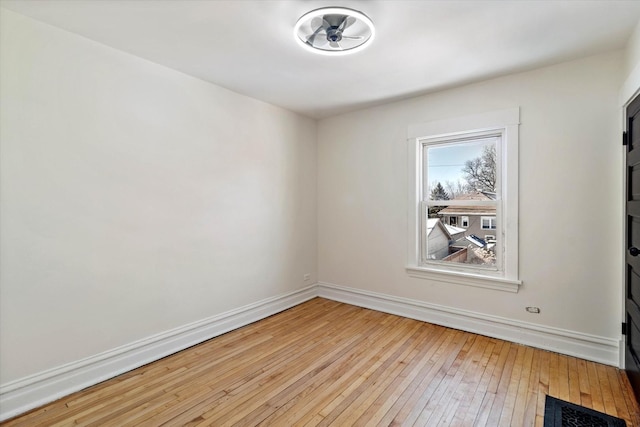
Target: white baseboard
(585, 346)
(33, 391)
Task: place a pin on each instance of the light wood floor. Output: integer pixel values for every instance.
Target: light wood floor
(327, 363)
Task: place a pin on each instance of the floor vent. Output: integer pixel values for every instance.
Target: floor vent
(558, 413)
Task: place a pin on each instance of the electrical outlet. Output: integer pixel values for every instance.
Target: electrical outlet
(534, 310)
(307, 277)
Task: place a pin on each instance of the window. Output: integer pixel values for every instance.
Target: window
(465, 169)
(488, 222)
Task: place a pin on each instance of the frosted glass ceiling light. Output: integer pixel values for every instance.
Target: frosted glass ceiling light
(334, 31)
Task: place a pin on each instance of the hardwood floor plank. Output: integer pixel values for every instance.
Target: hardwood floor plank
(594, 384)
(543, 384)
(574, 381)
(607, 394)
(531, 400)
(584, 387)
(563, 378)
(325, 363)
(523, 388)
(554, 380)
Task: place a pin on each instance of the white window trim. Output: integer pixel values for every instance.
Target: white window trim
(463, 221)
(507, 122)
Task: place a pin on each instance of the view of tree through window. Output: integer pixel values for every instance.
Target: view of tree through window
(460, 193)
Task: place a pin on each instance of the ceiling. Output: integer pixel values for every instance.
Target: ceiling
(420, 47)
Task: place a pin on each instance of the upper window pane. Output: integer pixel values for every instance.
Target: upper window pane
(455, 169)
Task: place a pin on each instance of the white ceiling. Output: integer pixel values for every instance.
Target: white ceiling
(421, 46)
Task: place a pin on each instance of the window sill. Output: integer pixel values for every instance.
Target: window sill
(465, 279)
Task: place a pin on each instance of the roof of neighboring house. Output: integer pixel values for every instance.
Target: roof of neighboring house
(436, 223)
(454, 230)
(471, 210)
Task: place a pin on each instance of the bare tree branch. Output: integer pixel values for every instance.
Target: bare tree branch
(480, 172)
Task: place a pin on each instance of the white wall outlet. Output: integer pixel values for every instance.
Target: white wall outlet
(535, 310)
(307, 277)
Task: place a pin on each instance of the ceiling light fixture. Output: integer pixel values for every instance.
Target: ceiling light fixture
(334, 31)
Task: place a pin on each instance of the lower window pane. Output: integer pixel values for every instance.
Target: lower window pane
(447, 241)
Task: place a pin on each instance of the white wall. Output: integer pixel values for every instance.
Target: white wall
(632, 52)
(570, 196)
(136, 199)
(631, 83)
